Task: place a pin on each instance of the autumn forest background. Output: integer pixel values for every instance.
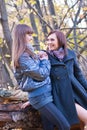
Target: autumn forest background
(70, 16)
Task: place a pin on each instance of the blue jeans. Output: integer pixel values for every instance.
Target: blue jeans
(46, 124)
(53, 115)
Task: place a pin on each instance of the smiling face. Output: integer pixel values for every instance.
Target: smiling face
(52, 42)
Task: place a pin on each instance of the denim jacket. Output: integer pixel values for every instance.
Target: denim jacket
(33, 77)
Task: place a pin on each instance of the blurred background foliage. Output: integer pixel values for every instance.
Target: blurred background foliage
(70, 16)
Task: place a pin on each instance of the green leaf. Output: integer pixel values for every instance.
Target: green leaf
(7, 55)
(0, 57)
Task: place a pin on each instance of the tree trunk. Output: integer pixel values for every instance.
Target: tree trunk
(52, 12)
(5, 79)
(4, 22)
(32, 20)
(44, 28)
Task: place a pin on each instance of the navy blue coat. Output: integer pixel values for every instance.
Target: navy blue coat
(68, 85)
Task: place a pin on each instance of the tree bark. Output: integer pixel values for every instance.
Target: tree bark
(4, 22)
(32, 20)
(44, 28)
(52, 12)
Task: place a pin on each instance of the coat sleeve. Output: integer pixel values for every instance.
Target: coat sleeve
(38, 70)
(78, 73)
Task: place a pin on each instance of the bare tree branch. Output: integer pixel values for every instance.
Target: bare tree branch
(67, 13)
(78, 54)
(82, 50)
(81, 18)
(82, 39)
(75, 23)
(38, 14)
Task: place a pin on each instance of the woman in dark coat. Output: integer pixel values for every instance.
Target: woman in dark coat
(69, 86)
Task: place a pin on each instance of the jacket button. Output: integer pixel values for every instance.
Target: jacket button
(58, 77)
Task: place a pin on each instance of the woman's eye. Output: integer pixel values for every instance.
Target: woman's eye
(50, 39)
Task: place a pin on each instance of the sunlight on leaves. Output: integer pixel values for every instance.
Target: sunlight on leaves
(85, 8)
(34, 35)
(43, 46)
(32, 2)
(0, 57)
(18, 2)
(7, 55)
(1, 40)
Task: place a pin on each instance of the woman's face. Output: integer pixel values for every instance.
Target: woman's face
(28, 38)
(52, 42)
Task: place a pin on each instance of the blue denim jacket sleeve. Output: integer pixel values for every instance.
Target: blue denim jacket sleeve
(36, 69)
(78, 73)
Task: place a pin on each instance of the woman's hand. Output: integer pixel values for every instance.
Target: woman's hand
(25, 105)
(43, 55)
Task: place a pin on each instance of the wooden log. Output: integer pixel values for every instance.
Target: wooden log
(10, 107)
(11, 114)
(13, 117)
(5, 117)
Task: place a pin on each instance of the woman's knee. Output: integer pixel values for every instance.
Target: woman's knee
(82, 113)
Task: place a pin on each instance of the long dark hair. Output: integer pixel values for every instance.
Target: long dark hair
(61, 39)
(19, 42)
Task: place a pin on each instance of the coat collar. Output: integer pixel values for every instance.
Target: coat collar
(55, 61)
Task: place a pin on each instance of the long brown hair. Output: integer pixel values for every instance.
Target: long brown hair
(19, 42)
(61, 39)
